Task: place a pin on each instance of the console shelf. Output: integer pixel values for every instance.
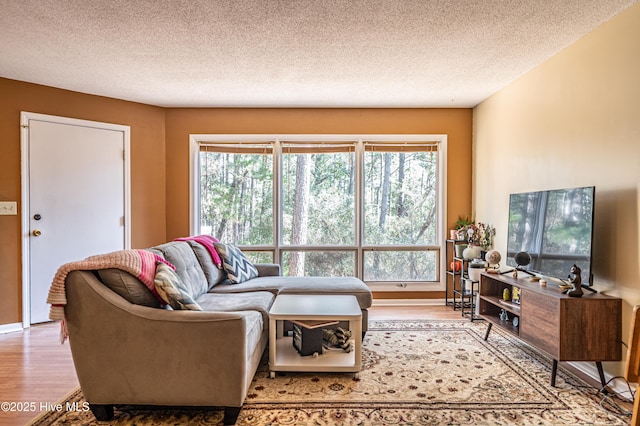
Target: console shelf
(505, 325)
(587, 328)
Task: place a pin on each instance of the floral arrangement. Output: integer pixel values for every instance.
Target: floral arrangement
(479, 234)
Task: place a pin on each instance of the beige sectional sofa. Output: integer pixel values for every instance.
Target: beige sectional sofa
(128, 349)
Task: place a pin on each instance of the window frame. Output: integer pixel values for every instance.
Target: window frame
(196, 140)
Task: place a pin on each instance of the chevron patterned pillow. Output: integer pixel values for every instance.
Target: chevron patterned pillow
(172, 290)
(235, 263)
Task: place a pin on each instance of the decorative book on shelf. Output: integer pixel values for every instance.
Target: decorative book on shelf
(308, 336)
(311, 324)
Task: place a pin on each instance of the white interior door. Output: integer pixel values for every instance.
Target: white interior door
(77, 197)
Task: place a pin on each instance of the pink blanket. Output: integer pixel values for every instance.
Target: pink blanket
(206, 241)
(139, 263)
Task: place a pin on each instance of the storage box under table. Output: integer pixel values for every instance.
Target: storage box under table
(308, 335)
(307, 341)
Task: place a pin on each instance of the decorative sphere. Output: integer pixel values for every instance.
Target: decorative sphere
(456, 266)
(493, 257)
(522, 258)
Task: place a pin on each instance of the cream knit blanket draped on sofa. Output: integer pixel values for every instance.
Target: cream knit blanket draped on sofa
(139, 263)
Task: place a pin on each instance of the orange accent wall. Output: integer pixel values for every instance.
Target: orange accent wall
(147, 170)
(160, 157)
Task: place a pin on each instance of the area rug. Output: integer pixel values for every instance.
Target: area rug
(414, 373)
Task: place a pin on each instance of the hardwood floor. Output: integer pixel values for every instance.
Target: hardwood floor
(413, 312)
(38, 370)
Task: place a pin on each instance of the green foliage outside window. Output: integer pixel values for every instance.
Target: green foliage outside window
(400, 198)
(236, 197)
(328, 205)
(319, 206)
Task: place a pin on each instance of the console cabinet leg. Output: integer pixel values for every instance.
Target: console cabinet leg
(554, 371)
(486, 336)
(603, 380)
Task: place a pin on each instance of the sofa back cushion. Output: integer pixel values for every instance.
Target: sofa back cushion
(129, 287)
(213, 274)
(180, 255)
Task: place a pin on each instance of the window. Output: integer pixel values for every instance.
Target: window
(318, 207)
(400, 205)
(318, 198)
(236, 193)
(326, 205)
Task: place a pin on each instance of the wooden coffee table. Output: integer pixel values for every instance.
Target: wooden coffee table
(313, 307)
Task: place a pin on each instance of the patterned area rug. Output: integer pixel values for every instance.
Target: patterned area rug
(414, 372)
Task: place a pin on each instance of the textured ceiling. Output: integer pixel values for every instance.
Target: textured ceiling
(305, 53)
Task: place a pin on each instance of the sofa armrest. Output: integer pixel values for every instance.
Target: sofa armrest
(268, 269)
(130, 354)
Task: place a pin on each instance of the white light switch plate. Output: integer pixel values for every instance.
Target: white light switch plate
(8, 208)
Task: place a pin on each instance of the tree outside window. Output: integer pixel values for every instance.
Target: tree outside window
(352, 208)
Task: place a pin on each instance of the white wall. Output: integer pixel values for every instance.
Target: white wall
(573, 121)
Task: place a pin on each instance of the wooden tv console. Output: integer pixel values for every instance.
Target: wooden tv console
(587, 328)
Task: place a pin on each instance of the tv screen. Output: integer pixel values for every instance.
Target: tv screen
(556, 228)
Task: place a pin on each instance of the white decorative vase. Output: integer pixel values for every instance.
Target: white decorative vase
(474, 269)
(471, 252)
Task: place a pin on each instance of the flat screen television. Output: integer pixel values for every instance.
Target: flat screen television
(555, 228)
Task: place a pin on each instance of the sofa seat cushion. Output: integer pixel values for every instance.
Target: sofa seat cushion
(255, 326)
(180, 255)
(302, 285)
(260, 301)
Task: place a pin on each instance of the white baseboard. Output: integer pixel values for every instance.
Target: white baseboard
(408, 302)
(10, 328)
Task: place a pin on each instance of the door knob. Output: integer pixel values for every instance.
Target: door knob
(37, 232)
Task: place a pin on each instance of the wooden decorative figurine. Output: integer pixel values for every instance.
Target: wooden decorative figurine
(576, 281)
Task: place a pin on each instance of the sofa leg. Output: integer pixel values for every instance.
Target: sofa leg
(102, 412)
(231, 415)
